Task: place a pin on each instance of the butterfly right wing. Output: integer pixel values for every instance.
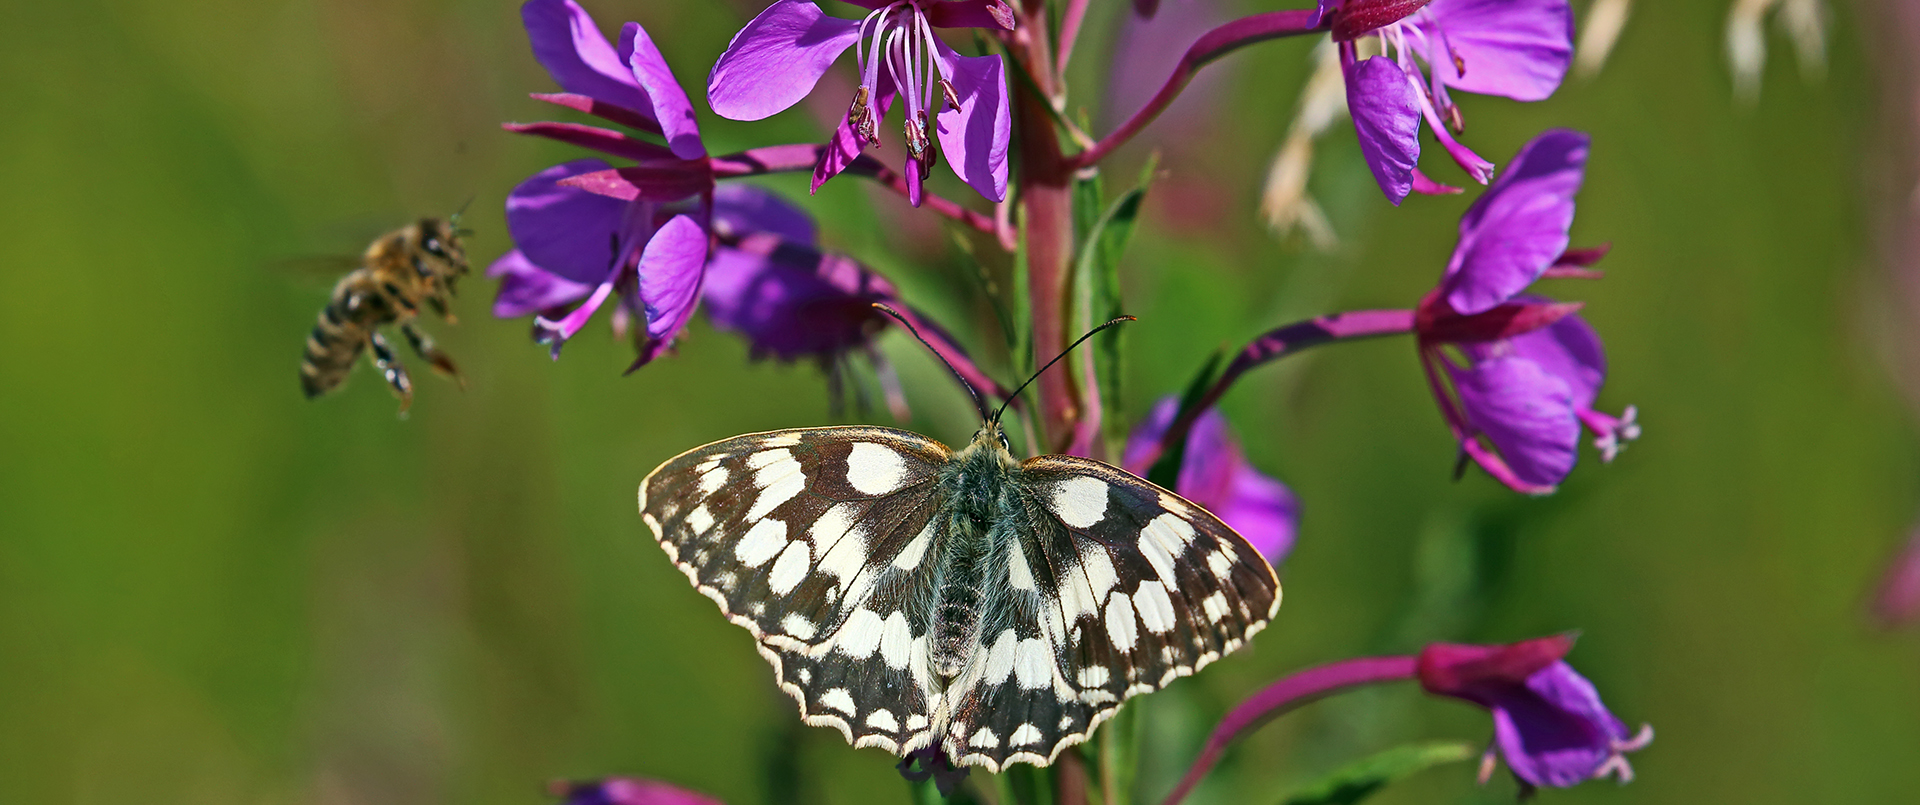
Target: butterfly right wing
(814, 540)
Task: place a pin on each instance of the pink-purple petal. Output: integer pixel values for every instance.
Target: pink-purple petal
(739, 209)
(1554, 730)
(793, 301)
(1518, 49)
(975, 137)
(1568, 349)
(670, 105)
(567, 43)
(1527, 414)
(563, 229)
(670, 274)
(1519, 226)
(970, 14)
(526, 288)
(627, 791)
(776, 59)
(1386, 117)
(657, 181)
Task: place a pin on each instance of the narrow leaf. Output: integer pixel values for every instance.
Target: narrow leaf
(1357, 781)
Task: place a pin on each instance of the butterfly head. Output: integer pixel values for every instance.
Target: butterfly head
(991, 436)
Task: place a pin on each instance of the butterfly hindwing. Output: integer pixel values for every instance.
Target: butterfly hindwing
(1125, 587)
(815, 541)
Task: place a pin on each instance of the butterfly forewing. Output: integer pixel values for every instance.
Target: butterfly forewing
(1085, 585)
(813, 540)
(1138, 587)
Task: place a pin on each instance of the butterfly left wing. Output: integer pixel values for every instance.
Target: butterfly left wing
(813, 540)
(1135, 587)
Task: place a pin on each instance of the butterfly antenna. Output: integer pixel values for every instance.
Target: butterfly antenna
(977, 401)
(1056, 359)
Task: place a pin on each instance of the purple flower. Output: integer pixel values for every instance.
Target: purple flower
(1518, 49)
(1216, 475)
(777, 58)
(625, 791)
(586, 231)
(1549, 724)
(771, 283)
(1524, 371)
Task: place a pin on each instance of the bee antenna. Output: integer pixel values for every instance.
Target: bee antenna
(455, 217)
(1056, 359)
(975, 393)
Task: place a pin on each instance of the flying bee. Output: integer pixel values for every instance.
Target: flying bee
(412, 266)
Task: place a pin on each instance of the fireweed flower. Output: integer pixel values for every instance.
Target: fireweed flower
(1549, 724)
(1517, 49)
(1523, 371)
(777, 58)
(578, 241)
(625, 791)
(1216, 475)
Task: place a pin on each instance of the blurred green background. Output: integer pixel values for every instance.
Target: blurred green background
(215, 591)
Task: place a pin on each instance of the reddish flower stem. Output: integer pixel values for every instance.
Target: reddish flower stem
(801, 157)
(1279, 343)
(1211, 45)
(1045, 187)
(1283, 697)
(1070, 30)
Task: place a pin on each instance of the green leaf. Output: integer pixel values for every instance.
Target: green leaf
(1097, 274)
(1357, 781)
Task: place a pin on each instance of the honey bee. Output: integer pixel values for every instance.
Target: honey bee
(402, 270)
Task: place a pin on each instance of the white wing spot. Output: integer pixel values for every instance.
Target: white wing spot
(838, 699)
(1018, 573)
(712, 480)
(798, 626)
(699, 520)
(916, 721)
(1093, 676)
(766, 458)
(861, 634)
(984, 739)
(1066, 722)
(1080, 501)
(1156, 611)
(791, 568)
(1026, 734)
(1155, 551)
(806, 676)
(875, 470)
(762, 542)
(781, 440)
(882, 719)
(1001, 656)
(1120, 626)
(848, 553)
(1215, 606)
(1034, 666)
(1098, 566)
(779, 482)
(910, 556)
(896, 643)
(1221, 564)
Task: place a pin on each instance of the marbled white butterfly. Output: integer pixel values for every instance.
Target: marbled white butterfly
(910, 595)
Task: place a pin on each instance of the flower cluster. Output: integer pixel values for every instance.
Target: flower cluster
(666, 231)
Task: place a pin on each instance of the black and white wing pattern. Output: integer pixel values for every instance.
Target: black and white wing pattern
(1115, 587)
(813, 540)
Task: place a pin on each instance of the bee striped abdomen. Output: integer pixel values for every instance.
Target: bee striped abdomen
(333, 346)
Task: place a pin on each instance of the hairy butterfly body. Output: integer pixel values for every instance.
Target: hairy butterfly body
(914, 596)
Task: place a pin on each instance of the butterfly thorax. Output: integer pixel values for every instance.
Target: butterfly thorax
(978, 490)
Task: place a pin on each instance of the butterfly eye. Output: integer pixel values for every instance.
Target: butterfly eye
(1005, 443)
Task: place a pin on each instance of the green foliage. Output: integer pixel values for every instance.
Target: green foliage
(1362, 779)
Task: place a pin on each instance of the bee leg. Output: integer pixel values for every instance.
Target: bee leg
(439, 304)
(389, 366)
(424, 347)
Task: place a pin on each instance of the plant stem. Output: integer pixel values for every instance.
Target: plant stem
(1285, 696)
(1211, 45)
(1279, 343)
(1045, 187)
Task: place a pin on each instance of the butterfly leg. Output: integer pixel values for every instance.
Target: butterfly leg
(390, 368)
(425, 348)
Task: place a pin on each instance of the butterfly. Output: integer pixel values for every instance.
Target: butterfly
(914, 596)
